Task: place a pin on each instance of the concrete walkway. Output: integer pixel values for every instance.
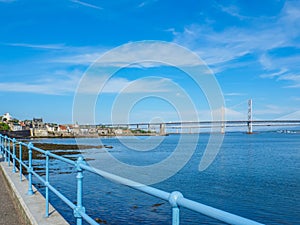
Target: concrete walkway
(8, 212)
(16, 207)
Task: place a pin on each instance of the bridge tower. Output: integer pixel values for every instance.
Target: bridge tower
(162, 129)
(249, 123)
(223, 120)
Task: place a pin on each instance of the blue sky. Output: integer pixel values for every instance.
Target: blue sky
(252, 47)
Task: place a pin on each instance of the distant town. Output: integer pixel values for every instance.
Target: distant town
(39, 129)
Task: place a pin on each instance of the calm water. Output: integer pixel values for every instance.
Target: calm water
(256, 176)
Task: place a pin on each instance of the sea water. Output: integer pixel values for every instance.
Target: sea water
(255, 176)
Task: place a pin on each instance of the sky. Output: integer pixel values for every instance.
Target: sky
(251, 48)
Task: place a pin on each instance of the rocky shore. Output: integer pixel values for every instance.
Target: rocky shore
(50, 146)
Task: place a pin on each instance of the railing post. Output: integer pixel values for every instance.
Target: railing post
(175, 209)
(29, 170)
(14, 155)
(79, 208)
(5, 148)
(46, 184)
(20, 161)
(1, 144)
(8, 151)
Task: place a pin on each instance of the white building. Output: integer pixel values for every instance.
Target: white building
(6, 117)
(16, 127)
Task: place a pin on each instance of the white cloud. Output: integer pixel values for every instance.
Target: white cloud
(38, 46)
(293, 86)
(275, 74)
(143, 54)
(63, 83)
(233, 11)
(288, 69)
(78, 59)
(172, 30)
(58, 83)
(290, 77)
(270, 110)
(234, 94)
(7, 1)
(145, 3)
(101, 84)
(220, 49)
(86, 4)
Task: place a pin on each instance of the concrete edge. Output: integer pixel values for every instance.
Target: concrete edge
(32, 208)
(16, 201)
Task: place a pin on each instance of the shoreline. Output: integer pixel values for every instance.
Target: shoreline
(97, 136)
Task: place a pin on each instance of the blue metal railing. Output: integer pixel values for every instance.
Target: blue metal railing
(174, 198)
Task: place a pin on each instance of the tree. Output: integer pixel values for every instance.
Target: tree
(4, 126)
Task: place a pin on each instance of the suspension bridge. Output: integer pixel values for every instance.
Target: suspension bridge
(217, 126)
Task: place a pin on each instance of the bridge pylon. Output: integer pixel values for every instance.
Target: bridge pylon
(223, 120)
(162, 129)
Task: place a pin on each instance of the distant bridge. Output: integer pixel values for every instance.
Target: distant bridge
(193, 125)
(178, 127)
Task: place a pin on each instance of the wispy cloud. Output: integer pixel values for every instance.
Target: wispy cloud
(101, 84)
(232, 10)
(284, 68)
(271, 110)
(234, 94)
(275, 74)
(171, 30)
(145, 54)
(38, 46)
(47, 85)
(86, 4)
(69, 82)
(145, 3)
(85, 58)
(7, 1)
(221, 49)
(294, 78)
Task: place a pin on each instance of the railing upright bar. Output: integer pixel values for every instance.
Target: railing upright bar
(175, 209)
(20, 161)
(1, 144)
(5, 148)
(79, 208)
(29, 170)
(14, 155)
(175, 216)
(47, 184)
(8, 151)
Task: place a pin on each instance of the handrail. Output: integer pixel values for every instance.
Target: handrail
(174, 198)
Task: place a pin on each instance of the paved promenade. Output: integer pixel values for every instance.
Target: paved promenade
(9, 215)
(16, 207)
